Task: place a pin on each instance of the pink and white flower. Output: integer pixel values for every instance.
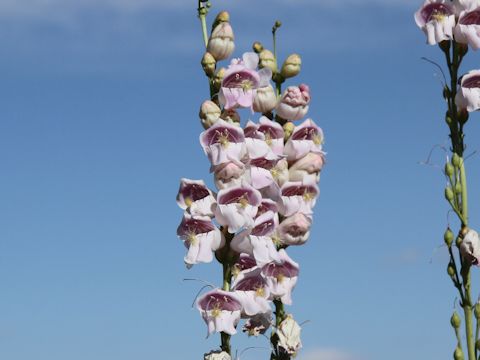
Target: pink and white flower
(237, 206)
(468, 94)
(221, 311)
(228, 174)
(470, 247)
(281, 277)
(223, 142)
(201, 237)
(241, 80)
(256, 241)
(298, 196)
(253, 293)
(294, 230)
(437, 19)
(258, 324)
(306, 138)
(307, 167)
(289, 335)
(196, 197)
(467, 30)
(266, 132)
(293, 105)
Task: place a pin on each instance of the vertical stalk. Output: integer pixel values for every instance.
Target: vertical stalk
(202, 14)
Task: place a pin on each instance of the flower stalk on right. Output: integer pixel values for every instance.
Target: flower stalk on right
(454, 26)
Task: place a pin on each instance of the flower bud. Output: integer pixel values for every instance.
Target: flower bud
(476, 310)
(449, 169)
(257, 47)
(449, 194)
(267, 60)
(455, 320)
(209, 113)
(265, 99)
(291, 66)
(456, 160)
(458, 354)
(231, 116)
(221, 43)
(223, 16)
(218, 77)
(458, 188)
(448, 237)
(458, 241)
(288, 129)
(208, 64)
(451, 270)
(462, 116)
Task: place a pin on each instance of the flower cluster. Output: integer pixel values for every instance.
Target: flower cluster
(266, 175)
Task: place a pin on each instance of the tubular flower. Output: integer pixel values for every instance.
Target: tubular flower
(228, 174)
(467, 30)
(253, 293)
(223, 142)
(470, 247)
(195, 197)
(294, 230)
(306, 138)
(256, 241)
(220, 310)
(293, 105)
(298, 196)
(468, 94)
(281, 277)
(200, 237)
(241, 80)
(258, 324)
(437, 19)
(244, 263)
(237, 206)
(221, 43)
(307, 167)
(289, 335)
(268, 132)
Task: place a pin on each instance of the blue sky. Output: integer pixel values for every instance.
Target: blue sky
(98, 109)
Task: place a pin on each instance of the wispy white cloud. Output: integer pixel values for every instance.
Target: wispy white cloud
(327, 354)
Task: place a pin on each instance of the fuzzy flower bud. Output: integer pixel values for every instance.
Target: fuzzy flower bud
(449, 194)
(257, 47)
(267, 59)
(455, 320)
(450, 270)
(209, 113)
(448, 237)
(265, 99)
(456, 160)
(449, 169)
(218, 77)
(291, 66)
(288, 129)
(221, 43)
(458, 354)
(208, 64)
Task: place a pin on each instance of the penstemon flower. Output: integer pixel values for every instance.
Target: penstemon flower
(437, 18)
(266, 171)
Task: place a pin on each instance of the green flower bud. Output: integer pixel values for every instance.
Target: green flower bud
(458, 188)
(217, 78)
(449, 194)
(449, 169)
(448, 119)
(291, 66)
(448, 237)
(455, 320)
(458, 241)
(257, 47)
(288, 129)
(208, 64)
(267, 60)
(277, 24)
(462, 116)
(476, 310)
(458, 354)
(450, 270)
(456, 160)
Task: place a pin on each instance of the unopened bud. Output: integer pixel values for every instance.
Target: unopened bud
(455, 320)
(476, 310)
(209, 113)
(456, 160)
(449, 194)
(448, 119)
(267, 60)
(217, 78)
(444, 45)
(208, 64)
(448, 237)
(449, 169)
(257, 47)
(291, 66)
(462, 116)
(458, 188)
(288, 129)
(458, 241)
(458, 354)
(451, 270)
(446, 92)
(277, 24)
(222, 16)
(221, 43)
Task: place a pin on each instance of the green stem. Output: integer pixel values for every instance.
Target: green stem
(279, 317)
(463, 182)
(202, 14)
